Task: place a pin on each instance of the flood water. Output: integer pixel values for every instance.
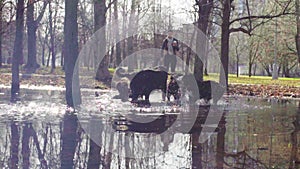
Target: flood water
(38, 132)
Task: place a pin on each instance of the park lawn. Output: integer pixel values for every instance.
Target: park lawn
(261, 80)
(264, 80)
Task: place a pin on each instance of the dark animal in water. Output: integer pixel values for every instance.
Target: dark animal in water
(121, 85)
(207, 89)
(173, 89)
(145, 81)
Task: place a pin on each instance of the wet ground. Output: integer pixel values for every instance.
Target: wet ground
(239, 132)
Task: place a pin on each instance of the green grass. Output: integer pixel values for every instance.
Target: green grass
(111, 70)
(262, 80)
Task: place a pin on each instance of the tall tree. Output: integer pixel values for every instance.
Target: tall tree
(100, 10)
(250, 23)
(18, 50)
(297, 5)
(117, 34)
(52, 37)
(131, 30)
(32, 26)
(225, 40)
(73, 97)
(1, 9)
(204, 11)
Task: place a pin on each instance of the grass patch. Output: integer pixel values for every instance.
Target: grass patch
(265, 80)
(111, 70)
(262, 80)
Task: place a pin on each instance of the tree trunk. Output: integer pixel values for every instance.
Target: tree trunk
(196, 151)
(100, 10)
(117, 34)
(32, 64)
(52, 40)
(267, 69)
(203, 18)
(294, 160)
(25, 146)
(95, 158)
(43, 44)
(189, 52)
(297, 6)
(69, 136)
(237, 60)
(225, 42)
(49, 56)
(1, 33)
(73, 97)
(221, 143)
(18, 50)
(131, 29)
(32, 26)
(124, 30)
(250, 69)
(62, 58)
(237, 66)
(14, 150)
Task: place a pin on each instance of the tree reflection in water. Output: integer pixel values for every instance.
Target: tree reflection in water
(14, 149)
(294, 160)
(62, 142)
(69, 139)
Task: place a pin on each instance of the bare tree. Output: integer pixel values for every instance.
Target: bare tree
(250, 23)
(297, 6)
(117, 34)
(18, 50)
(1, 9)
(52, 21)
(73, 96)
(32, 26)
(131, 29)
(204, 11)
(4, 25)
(100, 10)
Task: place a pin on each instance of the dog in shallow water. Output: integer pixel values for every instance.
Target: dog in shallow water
(173, 89)
(145, 81)
(207, 89)
(141, 83)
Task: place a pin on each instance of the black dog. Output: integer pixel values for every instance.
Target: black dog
(207, 89)
(173, 89)
(145, 81)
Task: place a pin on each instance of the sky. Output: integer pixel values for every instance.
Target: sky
(180, 7)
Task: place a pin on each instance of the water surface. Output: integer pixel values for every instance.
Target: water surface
(38, 132)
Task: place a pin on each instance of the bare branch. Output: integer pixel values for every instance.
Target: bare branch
(109, 5)
(240, 29)
(284, 12)
(39, 18)
(261, 17)
(249, 14)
